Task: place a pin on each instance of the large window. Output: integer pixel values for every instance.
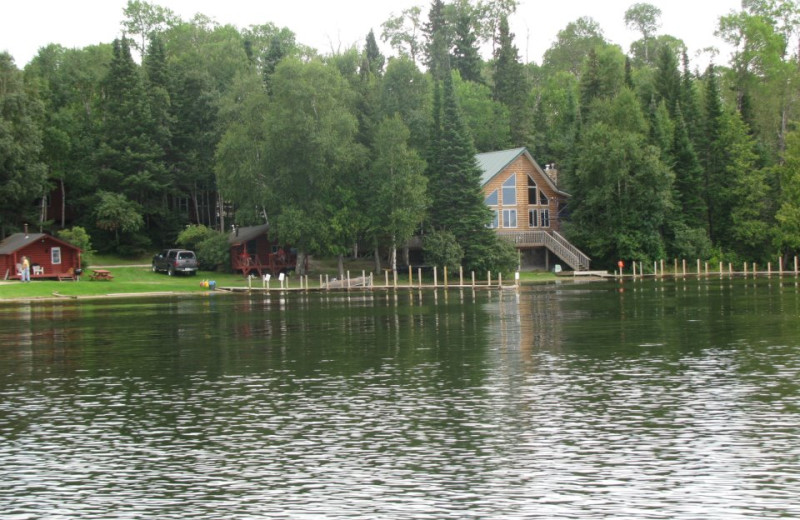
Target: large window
(510, 191)
(491, 200)
(509, 218)
(533, 218)
(545, 217)
(55, 255)
(532, 196)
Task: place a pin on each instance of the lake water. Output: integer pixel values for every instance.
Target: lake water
(648, 400)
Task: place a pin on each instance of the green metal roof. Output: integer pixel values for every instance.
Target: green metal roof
(492, 163)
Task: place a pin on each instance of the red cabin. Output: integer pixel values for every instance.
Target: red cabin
(49, 257)
(253, 252)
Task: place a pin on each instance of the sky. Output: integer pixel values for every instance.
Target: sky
(27, 25)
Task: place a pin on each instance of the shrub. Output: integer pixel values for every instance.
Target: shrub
(192, 236)
(78, 237)
(213, 253)
(441, 249)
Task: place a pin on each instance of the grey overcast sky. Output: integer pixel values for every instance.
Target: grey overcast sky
(25, 26)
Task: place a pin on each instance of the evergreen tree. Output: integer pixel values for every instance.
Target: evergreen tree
(688, 176)
(372, 53)
(457, 200)
(510, 85)
(466, 57)
(130, 160)
(711, 155)
(437, 41)
(668, 79)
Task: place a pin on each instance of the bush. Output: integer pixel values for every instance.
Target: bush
(192, 236)
(488, 252)
(441, 249)
(78, 237)
(213, 253)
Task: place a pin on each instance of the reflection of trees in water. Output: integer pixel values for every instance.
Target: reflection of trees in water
(528, 320)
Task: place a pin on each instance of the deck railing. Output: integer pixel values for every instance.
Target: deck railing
(553, 241)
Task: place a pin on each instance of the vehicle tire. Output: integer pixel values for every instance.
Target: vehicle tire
(155, 269)
(171, 271)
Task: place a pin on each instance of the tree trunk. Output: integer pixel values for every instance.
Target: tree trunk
(406, 257)
(393, 256)
(222, 218)
(377, 258)
(63, 204)
(300, 268)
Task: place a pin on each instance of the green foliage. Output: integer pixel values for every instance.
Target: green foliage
(78, 237)
(441, 249)
(213, 252)
(193, 235)
(22, 174)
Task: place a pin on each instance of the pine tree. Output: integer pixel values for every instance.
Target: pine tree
(510, 85)
(373, 56)
(466, 58)
(711, 155)
(688, 175)
(668, 79)
(437, 42)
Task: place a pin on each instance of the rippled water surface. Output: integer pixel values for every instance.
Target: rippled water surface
(673, 400)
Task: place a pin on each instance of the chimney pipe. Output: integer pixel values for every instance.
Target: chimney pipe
(26, 230)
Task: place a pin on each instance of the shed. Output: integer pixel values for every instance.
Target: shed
(49, 257)
(253, 251)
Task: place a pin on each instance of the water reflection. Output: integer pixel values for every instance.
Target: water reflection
(646, 400)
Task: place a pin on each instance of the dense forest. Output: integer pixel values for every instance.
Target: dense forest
(181, 123)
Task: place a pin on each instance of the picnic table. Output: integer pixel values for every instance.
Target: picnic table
(101, 274)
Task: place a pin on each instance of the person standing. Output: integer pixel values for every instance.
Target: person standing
(26, 269)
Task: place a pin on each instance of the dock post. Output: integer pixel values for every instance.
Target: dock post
(419, 277)
(745, 269)
(769, 269)
(435, 272)
(386, 278)
(683, 264)
(795, 265)
(444, 276)
(394, 273)
(634, 269)
(461, 275)
(500, 280)
(730, 269)
(364, 276)
(473, 279)
(327, 283)
(348, 280)
(662, 268)
(755, 270)
(488, 278)
(706, 266)
(780, 265)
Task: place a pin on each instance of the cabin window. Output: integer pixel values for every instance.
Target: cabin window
(491, 200)
(510, 191)
(509, 218)
(545, 217)
(55, 255)
(543, 200)
(533, 218)
(531, 191)
(493, 223)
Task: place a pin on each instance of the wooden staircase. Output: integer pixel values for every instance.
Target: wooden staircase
(554, 242)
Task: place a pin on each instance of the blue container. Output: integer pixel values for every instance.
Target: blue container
(212, 285)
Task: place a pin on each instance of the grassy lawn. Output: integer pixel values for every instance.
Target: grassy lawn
(126, 280)
(131, 278)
